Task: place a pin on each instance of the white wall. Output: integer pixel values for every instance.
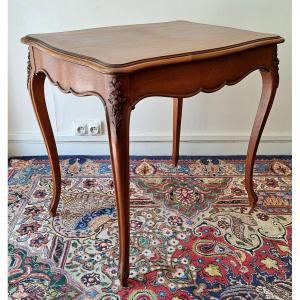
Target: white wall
(217, 123)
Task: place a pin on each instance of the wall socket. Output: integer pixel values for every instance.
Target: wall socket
(87, 127)
(94, 129)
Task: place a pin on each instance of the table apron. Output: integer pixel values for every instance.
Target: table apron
(187, 79)
(176, 80)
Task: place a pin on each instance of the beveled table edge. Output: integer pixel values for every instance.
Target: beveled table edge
(149, 62)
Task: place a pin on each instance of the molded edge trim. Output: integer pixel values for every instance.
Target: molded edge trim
(151, 62)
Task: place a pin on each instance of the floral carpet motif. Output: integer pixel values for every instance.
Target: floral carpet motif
(191, 234)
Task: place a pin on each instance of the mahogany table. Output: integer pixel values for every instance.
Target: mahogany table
(124, 64)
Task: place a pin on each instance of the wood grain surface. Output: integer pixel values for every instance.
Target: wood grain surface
(131, 47)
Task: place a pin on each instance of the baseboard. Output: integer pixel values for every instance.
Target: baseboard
(23, 144)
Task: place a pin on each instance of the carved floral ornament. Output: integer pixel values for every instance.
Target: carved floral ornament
(276, 67)
(116, 100)
(29, 67)
(276, 60)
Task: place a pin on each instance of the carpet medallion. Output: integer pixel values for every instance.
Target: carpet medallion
(191, 234)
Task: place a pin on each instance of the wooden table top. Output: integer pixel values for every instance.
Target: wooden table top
(131, 47)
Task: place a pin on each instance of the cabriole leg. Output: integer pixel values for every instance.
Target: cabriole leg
(270, 82)
(36, 88)
(118, 118)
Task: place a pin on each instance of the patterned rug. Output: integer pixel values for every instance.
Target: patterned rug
(191, 236)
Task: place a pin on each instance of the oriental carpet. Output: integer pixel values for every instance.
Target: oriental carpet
(191, 234)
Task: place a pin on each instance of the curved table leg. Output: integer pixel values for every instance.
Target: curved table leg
(270, 82)
(177, 113)
(36, 88)
(119, 149)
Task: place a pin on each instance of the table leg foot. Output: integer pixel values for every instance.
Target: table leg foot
(177, 113)
(124, 278)
(252, 200)
(53, 212)
(270, 83)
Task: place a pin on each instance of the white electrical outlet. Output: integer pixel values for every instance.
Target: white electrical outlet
(94, 129)
(87, 127)
(80, 128)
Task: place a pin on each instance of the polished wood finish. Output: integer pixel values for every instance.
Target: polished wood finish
(36, 88)
(177, 113)
(118, 119)
(121, 49)
(270, 83)
(107, 63)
